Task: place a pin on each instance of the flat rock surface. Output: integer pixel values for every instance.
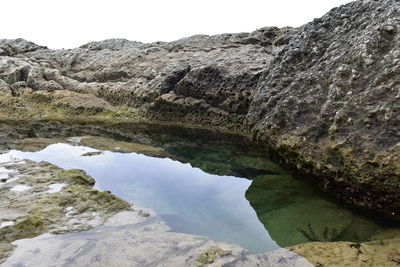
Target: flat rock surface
(130, 240)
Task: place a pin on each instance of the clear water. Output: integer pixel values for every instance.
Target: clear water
(189, 199)
(226, 192)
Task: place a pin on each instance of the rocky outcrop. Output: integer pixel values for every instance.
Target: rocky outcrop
(201, 80)
(11, 47)
(328, 106)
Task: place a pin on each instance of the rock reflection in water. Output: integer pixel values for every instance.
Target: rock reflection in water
(187, 198)
(295, 212)
(193, 201)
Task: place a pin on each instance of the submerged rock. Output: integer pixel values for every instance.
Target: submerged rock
(293, 213)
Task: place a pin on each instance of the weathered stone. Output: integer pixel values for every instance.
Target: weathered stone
(17, 46)
(328, 104)
(218, 73)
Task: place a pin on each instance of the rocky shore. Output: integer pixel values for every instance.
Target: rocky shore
(322, 100)
(39, 197)
(41, 201)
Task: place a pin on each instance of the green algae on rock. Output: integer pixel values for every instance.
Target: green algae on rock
(210, 255)
(76, 177)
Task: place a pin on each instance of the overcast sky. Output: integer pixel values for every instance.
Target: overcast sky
(71, 23)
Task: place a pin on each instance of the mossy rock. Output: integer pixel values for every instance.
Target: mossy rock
(210, 255)
(5, 250)
(49, 211)
(76, 176)
(31, 225)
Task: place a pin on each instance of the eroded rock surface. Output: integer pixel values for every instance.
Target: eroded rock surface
(200, 80)
(328, 106)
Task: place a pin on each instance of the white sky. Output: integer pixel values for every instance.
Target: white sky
(71, 23)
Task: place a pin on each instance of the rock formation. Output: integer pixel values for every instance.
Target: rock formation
(200, 80)
(328, 105)
(323, 100)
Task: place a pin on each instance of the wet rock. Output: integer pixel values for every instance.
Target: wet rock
(76, 177)
(143, 213)
(5, 250)
(87, 104)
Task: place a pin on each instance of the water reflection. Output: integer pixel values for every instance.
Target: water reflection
(219, 205)
(190, 200)
(295, 212)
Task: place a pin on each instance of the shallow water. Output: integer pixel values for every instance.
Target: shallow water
(188, 199)
(225, 192)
